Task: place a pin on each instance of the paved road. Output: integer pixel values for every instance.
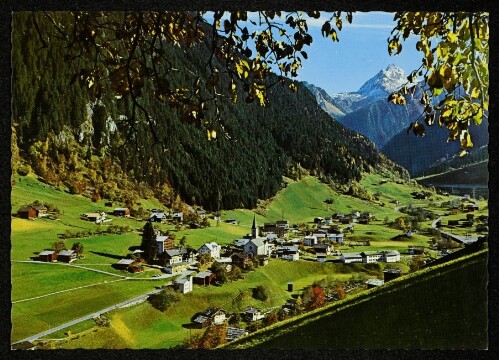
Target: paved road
(90, 316)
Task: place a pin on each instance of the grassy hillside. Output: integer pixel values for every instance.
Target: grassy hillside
(299, 202)
(439, 308)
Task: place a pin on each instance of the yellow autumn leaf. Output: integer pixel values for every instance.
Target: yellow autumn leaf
(452, 37)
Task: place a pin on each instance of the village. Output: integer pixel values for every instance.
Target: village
(326, 240)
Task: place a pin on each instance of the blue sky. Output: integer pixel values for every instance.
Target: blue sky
(360, 54)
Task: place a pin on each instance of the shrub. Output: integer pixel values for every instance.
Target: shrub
(261, 292)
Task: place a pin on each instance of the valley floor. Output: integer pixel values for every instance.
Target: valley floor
(45, 296)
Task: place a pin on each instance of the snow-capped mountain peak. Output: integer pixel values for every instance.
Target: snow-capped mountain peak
(384, 82)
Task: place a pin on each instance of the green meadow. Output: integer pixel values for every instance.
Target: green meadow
(142, 326)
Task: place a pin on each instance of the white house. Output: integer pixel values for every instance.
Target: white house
(372, 256)
(157, 217)
(391, 256)
(287, 252)
(252, 314)
(351, 258)
(173, 256)
(178, 216)
(211, 248)
(310, 240)
(185, 284)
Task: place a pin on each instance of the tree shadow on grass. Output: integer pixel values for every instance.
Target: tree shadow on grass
(112, 256)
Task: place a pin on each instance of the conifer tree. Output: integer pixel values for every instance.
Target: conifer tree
(148, 244)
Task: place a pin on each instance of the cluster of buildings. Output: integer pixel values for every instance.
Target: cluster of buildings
(32, 211)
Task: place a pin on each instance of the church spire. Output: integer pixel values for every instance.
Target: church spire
(254, 228)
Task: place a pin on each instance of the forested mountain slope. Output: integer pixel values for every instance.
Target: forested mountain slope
(90, 148)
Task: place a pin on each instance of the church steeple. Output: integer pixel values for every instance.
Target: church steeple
(254, 228)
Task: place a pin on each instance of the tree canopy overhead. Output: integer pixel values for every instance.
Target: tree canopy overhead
(126, 53)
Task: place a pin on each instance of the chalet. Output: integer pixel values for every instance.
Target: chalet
(371, 283)
(178, 217)
(66, 256)
(252, 314)
(351, 258)
(41, 210)
(123, 264)
(472, 207)
(323, 248)
(157, 217)
(287, 252)
(234, 333)
(390, 274)
(47, 256)
(121, 212)
(241, 260)
(211, 248)
(173, 256)
(204, 278)
(211, 315)
(184, 285)
(95, 217)
(413, 250)
(284, 224)
(202, 214)
(338, 216)
(164, 243)
(176, 268)
(345, 220)
(258, 246)
(310, 240)
(363, 221)
(367, 215)
(26, 212)
(269, 227)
